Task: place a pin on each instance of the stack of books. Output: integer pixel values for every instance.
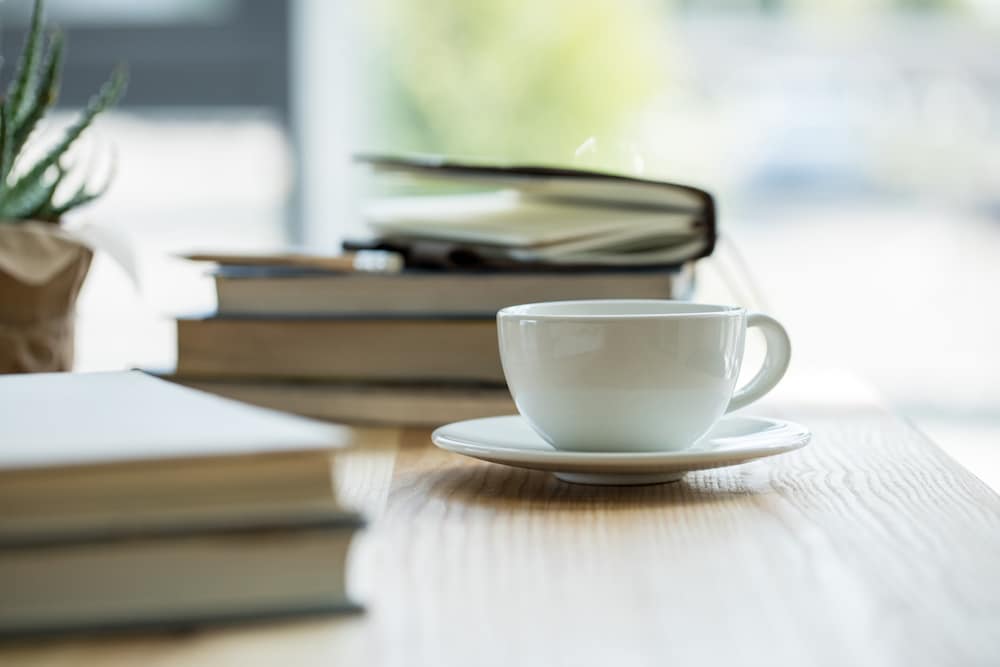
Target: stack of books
(418, 346)
(129, 502)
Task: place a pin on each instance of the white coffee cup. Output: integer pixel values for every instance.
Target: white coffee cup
(632, 375)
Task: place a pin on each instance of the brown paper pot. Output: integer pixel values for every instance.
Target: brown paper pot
(41, 272)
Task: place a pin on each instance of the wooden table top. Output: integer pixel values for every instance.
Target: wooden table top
(868, 547)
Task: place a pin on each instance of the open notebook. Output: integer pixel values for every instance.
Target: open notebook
(539, 215)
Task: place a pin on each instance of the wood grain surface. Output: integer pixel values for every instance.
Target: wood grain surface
(868, 547)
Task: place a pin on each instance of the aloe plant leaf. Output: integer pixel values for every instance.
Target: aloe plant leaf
(6, 147)
(52, 212)
(34, 177)
(29, 200)
(24, 84)
(44, 98)
(83, 195)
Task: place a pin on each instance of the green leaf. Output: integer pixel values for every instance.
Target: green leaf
(6, 147)
(45, 97)
(34, 177)
(53, 213)
(83, 195)
(27, 201)
(24, 84)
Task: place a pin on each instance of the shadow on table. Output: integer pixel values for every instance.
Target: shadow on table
(490, 484)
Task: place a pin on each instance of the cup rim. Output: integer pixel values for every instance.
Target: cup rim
(529, 310)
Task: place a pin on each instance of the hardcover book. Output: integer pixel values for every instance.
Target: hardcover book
(520, 216)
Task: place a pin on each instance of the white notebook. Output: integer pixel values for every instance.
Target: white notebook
(528, 215)
(74, 419)
(130, 502)
(86, 453)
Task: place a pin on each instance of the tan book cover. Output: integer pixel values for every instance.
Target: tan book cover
(245, 291)
(384, 404)
(340, 349)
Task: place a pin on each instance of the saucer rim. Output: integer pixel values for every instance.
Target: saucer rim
(798, 437)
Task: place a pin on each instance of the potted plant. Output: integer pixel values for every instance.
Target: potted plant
(41, 267)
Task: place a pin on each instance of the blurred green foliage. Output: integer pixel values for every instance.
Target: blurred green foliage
(510, 80)
(516, 80)
(31, 190)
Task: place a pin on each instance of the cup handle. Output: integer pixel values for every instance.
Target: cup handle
(779, 353)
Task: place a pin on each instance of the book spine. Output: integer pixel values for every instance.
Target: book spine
(345, 350)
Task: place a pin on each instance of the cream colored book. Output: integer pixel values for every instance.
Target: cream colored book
(175, 578)
(131, 502)
(95, 451)
(540, 215)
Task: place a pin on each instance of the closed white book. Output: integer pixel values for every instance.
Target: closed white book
(126, 500)
(174, 578)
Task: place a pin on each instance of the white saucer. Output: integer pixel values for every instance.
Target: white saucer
(511, 441)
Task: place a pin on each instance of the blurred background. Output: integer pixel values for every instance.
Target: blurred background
(853, 146)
